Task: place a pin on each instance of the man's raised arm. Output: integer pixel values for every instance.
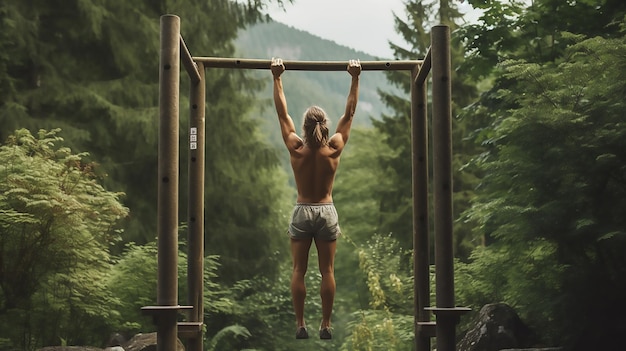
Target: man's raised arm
(345, 122)
(280, 102)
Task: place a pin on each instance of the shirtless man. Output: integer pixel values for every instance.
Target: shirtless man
(314, 160)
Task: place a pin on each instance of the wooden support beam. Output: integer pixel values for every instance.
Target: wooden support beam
(187, 60)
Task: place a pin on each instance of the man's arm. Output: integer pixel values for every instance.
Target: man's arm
(345, 122)
(288, 130)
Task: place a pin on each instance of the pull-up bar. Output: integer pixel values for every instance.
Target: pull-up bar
(173, 51)
(220, 62)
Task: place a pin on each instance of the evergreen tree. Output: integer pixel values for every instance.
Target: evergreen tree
(396, 201)
(518, 30)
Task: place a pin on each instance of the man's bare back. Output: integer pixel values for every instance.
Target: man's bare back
(314, 170)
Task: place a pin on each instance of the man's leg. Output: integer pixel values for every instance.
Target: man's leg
(326, 253)
(300, 256)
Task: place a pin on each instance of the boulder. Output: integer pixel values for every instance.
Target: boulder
(496, 328)
(69, 348)
(116, 339)
(539, 349)
(147, 342)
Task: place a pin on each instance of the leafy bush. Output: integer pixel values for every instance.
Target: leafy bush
(388, 324)
(56, 227)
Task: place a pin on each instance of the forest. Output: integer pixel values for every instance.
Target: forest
(539, 170)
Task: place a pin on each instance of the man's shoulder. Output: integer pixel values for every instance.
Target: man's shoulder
(336, 142)
(293, 142)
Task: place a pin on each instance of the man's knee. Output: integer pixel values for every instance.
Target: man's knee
(299, 270)
(327, 272)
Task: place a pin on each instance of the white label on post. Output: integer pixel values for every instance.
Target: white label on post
(193, 138)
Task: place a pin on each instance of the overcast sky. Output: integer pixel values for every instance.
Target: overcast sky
(364, 25)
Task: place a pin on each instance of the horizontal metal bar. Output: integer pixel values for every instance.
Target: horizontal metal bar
(219, 62)
(190, 65)
(424, 69)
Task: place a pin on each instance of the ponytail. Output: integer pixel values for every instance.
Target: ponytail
(315, 127)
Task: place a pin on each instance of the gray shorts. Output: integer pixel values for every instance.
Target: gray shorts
(319, 221)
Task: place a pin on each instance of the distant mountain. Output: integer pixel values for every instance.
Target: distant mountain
(305, 88)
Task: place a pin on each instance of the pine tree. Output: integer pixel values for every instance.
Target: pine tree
(395, 202)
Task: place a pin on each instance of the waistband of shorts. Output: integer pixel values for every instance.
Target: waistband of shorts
(314, 204)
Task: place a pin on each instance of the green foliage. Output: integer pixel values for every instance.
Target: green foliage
(516, 29)
(380, 330)
(57, 224)
(233, 331)
(388, 323)
(264, 308)
(389, 284)
(134, 277)
(360, 182)
(522, 277)
(236, 317)
(133, 280)
(261, 307)
(247, 206)
(553, 193)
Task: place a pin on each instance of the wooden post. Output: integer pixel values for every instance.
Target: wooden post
(421, 230)
(195, 255)
(442, 187)
(169, 81)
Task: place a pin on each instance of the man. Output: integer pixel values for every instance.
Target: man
(314, 160)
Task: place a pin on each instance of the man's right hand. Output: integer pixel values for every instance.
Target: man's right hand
(277, 67)
(354, 68)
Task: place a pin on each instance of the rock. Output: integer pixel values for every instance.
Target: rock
(69, 348)
(147, 342)
(116, 339)
(139, 342)
(496, 328)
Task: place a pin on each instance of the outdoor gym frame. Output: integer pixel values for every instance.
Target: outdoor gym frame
(173, 51)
